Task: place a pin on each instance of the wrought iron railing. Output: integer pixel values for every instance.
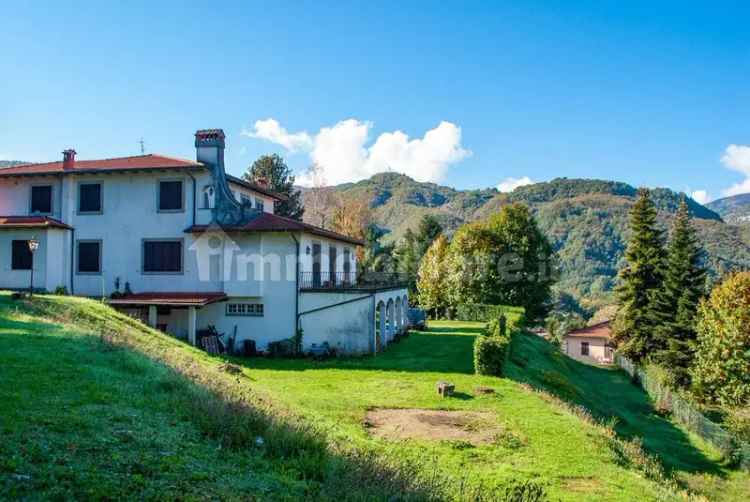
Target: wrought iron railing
(349, 280)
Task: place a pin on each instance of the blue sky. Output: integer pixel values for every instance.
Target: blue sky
(649, 94)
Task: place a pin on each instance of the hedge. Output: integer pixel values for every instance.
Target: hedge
(489, 354)
(483, 312)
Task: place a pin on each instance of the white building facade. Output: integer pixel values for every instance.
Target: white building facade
(184, 246)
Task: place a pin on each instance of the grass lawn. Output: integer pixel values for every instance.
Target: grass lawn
(141, 415)
(543, 441)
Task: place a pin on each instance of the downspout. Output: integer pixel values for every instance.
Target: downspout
(296, 285)
(72, 259)
(195, 202)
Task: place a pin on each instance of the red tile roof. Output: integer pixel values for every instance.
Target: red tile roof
(139, 162)
(601, 330)
(31, 222)
(267, 222)
(175, 299)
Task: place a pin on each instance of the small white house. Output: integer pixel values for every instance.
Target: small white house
(592, 344)
(182, 245)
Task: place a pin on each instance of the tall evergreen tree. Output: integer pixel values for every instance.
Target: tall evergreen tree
(677, 300)
(272, 170)
(428, 230)
(640, 280)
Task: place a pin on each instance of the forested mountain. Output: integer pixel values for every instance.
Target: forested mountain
(11, 163)
(735, 209)
(586, 221)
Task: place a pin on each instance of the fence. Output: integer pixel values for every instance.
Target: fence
(686, 414)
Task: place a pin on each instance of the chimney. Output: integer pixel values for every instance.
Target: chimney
(69, 159)
(209, 147)
(261, 181)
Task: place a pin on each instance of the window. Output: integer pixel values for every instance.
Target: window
(170, 196)
(584, 348)
(245, 309)
(90, 198)
(208, 197)
(21, 256)
(347, 265)
(41, 199)
(89, 257)
(162, 256)
(246, 201)
(259, 205)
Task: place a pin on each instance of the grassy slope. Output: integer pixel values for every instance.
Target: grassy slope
(609, 393)
(544, 441)
(83, 417)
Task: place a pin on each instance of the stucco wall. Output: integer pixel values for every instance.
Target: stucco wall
(598, 352)
(50, 267)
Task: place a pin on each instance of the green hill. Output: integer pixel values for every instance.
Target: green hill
(586, 221)
(735, 209)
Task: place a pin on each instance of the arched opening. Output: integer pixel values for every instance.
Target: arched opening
(399, 317)
(405, 312)
(389, 321)
(379, 326)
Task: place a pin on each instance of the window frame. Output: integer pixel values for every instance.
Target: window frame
(78, 256)
(12, 255)
(181, 181)
(252, 309)
(51, 187)
(585, 349)
(101, 198)
(182, 257)
(205, 205)
(260, 204)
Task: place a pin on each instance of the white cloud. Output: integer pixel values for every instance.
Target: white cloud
(510, 184)
(700, 196)
(271, 130)
(737, 158)
(342, 153)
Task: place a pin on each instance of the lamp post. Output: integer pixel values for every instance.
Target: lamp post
(33, 246)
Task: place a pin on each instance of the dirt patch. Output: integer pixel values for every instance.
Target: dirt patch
(433, 425)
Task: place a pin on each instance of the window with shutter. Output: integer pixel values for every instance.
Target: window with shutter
(89, 257)
(90, 198)
(162, 256)
(170, 196)
(21, 257)
(41, 199)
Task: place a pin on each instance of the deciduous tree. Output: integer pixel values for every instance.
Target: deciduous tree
(432, 277)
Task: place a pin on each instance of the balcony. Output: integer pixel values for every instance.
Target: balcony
(348, 281)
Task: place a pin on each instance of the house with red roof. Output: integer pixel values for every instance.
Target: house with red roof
(592, 344)
(183, 245)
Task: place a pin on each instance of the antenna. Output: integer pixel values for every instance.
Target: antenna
(143, 148)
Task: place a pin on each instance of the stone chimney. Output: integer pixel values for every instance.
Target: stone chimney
(69, 159)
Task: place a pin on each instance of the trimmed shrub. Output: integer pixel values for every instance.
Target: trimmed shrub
(497, 327)
(489, 354)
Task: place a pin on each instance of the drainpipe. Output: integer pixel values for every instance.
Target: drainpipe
(296, 284)
(72, 259)
(194, 195)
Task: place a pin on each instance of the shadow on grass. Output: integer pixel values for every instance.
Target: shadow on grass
(115, 375)
(606, 393)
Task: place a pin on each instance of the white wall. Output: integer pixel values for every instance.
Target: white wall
(50, 268)
(598, 352)
(15, 195)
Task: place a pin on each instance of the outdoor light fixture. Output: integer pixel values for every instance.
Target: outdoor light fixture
(33, 246)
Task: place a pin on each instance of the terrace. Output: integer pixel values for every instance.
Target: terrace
(348, 281)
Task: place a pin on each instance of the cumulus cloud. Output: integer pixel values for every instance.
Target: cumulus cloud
(271, 130)
(510, 184)
(700, 196)
(737, 158)
(342, 153)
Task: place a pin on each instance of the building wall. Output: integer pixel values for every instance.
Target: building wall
(598, 352)
(50, 268)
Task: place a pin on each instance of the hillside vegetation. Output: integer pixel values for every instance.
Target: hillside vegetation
(95, 405)
(586, 221)
(735, 209)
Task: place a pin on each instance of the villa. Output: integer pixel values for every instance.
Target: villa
(183, 246)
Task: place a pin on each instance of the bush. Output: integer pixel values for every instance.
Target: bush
(489, 354)
(483, 313)
(497, 327)
(721, 371)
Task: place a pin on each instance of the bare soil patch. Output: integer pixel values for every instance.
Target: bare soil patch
(433, 425)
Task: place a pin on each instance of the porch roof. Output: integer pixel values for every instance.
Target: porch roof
(175, 299)
(15, 222)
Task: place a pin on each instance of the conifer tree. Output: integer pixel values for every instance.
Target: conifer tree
(677, 301)
(640, 280)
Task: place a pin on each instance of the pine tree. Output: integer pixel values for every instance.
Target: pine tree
(273, 171)
(677, 300)
(640, 280)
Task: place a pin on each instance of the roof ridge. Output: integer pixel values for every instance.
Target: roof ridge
(110, 159)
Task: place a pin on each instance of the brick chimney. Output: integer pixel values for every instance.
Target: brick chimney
(209, 145)
(69, 159)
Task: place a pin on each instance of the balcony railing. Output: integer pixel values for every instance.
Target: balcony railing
(348, 280)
